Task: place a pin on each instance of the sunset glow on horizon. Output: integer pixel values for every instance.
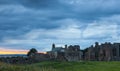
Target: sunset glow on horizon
(15, 51)
(12, 51)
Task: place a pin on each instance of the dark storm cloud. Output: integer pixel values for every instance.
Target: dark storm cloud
(80, 9)
(33, 3)
(39, 23)
(41, 3)
(93, 9)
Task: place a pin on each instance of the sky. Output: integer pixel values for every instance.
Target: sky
(26, 24)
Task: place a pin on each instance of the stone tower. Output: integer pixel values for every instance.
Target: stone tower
(53, 46)
(65, 46)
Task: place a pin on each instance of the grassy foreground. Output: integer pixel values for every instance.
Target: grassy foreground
(63, 66)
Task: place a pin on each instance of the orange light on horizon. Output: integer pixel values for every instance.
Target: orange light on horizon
(43, 52)
(12, 51)
(15, 51)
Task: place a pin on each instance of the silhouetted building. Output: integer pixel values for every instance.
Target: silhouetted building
(69, 53)
(103, 52)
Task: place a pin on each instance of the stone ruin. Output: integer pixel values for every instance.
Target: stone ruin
(103, 52)
(99, 52)
(68, 53)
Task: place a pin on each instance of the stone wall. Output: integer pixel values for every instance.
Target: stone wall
(103, 52)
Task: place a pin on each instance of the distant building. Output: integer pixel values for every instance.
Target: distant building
(68, 53)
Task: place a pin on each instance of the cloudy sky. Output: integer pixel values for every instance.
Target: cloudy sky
(26, 24)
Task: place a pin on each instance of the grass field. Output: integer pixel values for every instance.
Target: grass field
(63, 66)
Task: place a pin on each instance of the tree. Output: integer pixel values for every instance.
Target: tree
(32, 52)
